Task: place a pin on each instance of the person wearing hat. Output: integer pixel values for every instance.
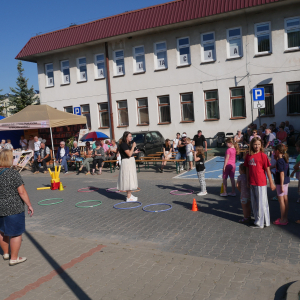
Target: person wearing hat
(199, 139)
(181, 150)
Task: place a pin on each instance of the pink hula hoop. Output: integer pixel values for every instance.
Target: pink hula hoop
(91, 189)
(188, 192)
(113, 190)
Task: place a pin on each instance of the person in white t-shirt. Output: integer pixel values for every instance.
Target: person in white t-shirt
(37, 145)
(176, 141)
(23, 143)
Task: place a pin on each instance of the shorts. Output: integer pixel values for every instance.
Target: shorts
(13, 225)
(285, 190)
(245, 200)
(189, 158)
(229, 171)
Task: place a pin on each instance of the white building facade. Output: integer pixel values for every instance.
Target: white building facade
(183, 77)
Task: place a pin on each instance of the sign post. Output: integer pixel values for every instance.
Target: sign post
(77, 111)
(258, 96)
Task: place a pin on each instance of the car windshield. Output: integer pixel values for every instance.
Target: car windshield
(138, 138)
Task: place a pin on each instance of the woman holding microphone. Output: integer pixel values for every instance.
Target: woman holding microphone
(127, 177)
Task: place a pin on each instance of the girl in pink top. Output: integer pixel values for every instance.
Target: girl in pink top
(229, 166)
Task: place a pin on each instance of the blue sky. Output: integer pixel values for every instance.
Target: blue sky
(20, 20)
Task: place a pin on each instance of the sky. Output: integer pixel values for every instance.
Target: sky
(20, 20)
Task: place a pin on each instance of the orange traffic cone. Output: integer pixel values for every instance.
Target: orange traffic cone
(194, 207)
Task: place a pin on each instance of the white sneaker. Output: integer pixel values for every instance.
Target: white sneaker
(181, 168)
(17, 261)
(132, 199)
(202, 194)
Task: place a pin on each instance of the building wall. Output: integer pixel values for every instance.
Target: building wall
(249, 71)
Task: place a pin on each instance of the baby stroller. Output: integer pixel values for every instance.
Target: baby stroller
(220, 139)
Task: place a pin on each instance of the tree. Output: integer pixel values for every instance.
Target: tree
(22, 96)
(2, 107)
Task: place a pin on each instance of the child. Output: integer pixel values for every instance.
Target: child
(167, 154)
(273, 169)
(257, 164)
(297, 171)
(229, 166)
(282, 180)
(200, 167)
(243, 188)
(189, 153)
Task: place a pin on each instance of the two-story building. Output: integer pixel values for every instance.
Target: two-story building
(180, 66)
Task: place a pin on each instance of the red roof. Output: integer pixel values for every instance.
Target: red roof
(147, 18)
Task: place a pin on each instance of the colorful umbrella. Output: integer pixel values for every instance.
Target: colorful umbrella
(94, 136)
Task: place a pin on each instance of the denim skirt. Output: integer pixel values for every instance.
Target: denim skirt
(13, 225)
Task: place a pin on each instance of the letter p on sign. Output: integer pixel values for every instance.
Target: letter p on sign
(258, 94)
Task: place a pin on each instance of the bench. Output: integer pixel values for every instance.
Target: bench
(147, 163)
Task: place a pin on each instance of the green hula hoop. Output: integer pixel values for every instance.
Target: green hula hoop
(40, 202)
(83, 206)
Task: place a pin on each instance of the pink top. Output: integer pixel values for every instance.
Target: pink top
(105, 147)
(232, 153)
(245, 191)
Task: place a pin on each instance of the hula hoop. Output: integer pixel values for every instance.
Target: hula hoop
(91, 189)
(127, 207)
(157, 210)
(39, 203)
(83, 206)
(115, 190)
(181, 190)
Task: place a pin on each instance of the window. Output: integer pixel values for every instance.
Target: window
(292, 33)
(293, 98)
(160, 56)
(183, 48)
(119, 63)
(187, 107)
(100, 66)
(65, 71)
(269, 101)
(237, 99)
(164, 109)
(123, 113)
(49, 75)
(143, 113)
(103, 114)
(69, 109)
(85, 111)
(81, 66)
(234, 42)
(139, 59)
(263, 44)
(208, 52)
(212, 105)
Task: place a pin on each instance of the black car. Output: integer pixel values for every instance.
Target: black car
(148, 142)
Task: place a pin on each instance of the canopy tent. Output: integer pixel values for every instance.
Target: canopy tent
(13, 136)
(40, 116)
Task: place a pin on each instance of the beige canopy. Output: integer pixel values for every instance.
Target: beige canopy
(40, 116)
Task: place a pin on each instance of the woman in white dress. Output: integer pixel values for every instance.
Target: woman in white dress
(128, 177)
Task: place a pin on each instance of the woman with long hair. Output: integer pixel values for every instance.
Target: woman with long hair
(127, 177)
(167, 154)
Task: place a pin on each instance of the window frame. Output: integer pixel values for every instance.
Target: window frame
(256, 35)
(268, 95)
(47, 77)
(211, 100)
(135, 71)
(68, 107)
(234, 38)
(178, 52)
(291, 93)
(162, 105)
(102, 111)
(202, 44)
(286, 48)
(156, 67)
(138, 112)
(116, 74)
(181, 103)
(87, 113)
(78, 69)
(237, 97)
(62, 68)
(96, 66)
(119, 109)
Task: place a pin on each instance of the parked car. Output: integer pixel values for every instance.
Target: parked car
(148, 142)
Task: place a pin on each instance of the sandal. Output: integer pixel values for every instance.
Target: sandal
(245, 220)
(277, 222)
(17, 261)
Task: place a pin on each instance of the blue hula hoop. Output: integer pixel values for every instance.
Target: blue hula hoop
(127, 207)
(157, 210)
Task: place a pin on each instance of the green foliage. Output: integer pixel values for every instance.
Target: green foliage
(2, 105)
(70, 141)
(22, 95)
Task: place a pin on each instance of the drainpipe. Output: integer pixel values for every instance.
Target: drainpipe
(108, 89)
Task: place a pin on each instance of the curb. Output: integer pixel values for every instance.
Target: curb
(293, 291)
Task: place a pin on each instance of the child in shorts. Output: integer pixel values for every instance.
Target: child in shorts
(243, 188)
(189, 153)
(282, 180)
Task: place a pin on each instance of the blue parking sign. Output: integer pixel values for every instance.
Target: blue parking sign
(77, 111)
(258, 94)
